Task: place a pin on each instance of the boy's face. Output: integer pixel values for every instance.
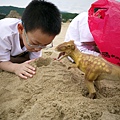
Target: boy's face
(36, 40)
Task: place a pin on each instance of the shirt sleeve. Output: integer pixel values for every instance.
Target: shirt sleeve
(34, 55)
(5, 48)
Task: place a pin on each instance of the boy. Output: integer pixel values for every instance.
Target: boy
(21, 41)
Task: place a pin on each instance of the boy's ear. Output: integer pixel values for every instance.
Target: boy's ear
(20, 28)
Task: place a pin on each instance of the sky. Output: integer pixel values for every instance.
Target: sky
(74, 6)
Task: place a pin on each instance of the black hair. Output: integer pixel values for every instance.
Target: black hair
(43, 15)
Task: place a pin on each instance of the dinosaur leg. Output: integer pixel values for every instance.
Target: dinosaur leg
(91, 89)
(97, 84)
(90, 77)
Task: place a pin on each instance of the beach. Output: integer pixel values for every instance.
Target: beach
(56, 93)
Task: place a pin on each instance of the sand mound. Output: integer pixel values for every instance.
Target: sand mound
(56, 93)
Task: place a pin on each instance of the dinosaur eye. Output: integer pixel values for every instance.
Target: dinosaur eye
(69, 46)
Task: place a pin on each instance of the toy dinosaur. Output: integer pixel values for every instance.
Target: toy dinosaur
(95, 67)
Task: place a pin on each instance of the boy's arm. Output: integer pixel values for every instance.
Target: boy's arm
(8, 66)
(23, 70)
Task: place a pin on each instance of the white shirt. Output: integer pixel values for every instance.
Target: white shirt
(10, 42)
(78, 31)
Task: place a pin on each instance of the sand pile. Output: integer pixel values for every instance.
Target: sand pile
(56, 93)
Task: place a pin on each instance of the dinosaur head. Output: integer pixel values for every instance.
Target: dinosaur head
(65, 48)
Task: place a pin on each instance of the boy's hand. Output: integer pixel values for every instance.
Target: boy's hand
(25, 70)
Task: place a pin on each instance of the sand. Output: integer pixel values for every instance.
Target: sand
(56, 93)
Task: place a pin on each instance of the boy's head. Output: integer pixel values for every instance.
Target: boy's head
(42, 15)
(41, 22)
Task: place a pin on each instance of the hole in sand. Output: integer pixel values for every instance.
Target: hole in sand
(43, 62)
